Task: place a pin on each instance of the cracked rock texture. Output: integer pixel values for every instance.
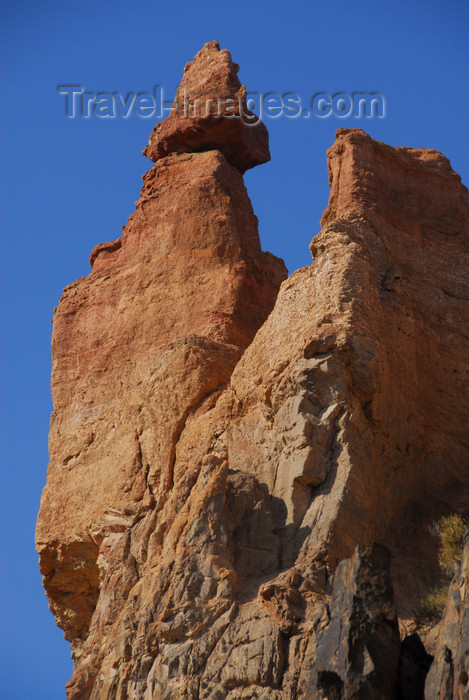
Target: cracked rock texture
(217, 449)
(449, 674)
(358, 650)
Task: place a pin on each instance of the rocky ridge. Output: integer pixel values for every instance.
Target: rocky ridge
(218, 447)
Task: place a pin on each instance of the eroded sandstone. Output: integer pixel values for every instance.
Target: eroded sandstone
(149, 338)
(210, 111)
(216, 450)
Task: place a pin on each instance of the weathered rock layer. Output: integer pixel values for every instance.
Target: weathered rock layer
(216, 449)
(210, 111)
(449, 674)
(358, 649)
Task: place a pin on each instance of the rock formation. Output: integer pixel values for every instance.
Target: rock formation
(358, 649)
(210, 112)
(449, 674)
(216, 450)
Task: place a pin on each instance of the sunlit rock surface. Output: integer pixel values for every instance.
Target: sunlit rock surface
(216, 450)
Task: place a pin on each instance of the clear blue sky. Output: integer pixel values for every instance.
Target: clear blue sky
(70, 184)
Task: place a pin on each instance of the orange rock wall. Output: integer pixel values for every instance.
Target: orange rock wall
(216, 449)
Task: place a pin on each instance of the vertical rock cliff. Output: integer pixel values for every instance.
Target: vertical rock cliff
(216, 450)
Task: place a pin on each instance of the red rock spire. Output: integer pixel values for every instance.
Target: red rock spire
(210, 112)
(148, 339)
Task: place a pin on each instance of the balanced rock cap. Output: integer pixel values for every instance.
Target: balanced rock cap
(210, 112)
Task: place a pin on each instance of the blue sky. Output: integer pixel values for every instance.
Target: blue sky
(68, 184)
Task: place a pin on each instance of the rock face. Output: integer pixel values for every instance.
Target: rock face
(216, 450)
(449, 674)
(145, 342)
(358, 651)
(210, 111)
